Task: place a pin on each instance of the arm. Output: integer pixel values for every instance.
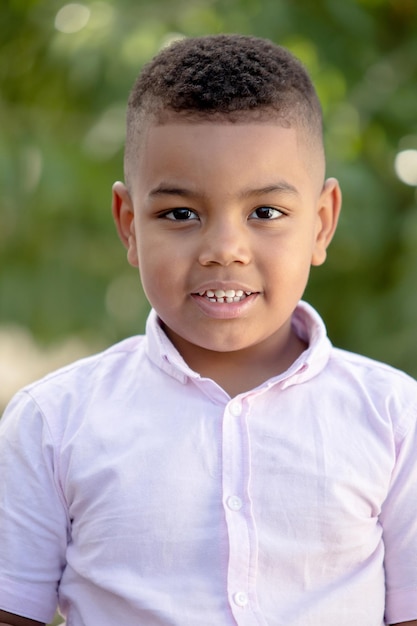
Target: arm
(398, 517)
(33, 519)
(8, 619)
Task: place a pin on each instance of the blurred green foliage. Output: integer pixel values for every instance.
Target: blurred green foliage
(62, 103)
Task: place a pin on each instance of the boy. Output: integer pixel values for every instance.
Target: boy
(230, 467)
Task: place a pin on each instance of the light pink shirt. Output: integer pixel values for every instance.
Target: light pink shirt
(135, 492)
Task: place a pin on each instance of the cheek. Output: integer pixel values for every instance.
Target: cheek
(287, 265)
(158, 271)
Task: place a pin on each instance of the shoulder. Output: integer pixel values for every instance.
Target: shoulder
(384, 389)
(91, 370)
(365, 369)
(68, 393)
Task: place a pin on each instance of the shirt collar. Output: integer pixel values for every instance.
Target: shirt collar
(309, 326)
(306, 322)
(163, 353)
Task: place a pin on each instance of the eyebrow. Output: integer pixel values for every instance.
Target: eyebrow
(172, 190)
(165, 189)
(278, 187)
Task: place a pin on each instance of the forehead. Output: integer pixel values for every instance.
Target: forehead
(140, 128)
(184, 143)
(221, 156)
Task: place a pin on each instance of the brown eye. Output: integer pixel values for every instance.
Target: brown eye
(266, 213)
(181, 215)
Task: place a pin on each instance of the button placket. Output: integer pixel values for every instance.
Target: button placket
(241, 599)
(240, 526)
(234, 503)
(235, 408)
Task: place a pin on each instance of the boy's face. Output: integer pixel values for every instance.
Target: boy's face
(224, 221)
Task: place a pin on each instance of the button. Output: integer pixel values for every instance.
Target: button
(235, 409)
(234, 503)
(241, 598)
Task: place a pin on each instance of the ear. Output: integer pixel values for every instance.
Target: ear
(329, 206)
(123, 215)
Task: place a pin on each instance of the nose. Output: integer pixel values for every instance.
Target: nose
(223, 244)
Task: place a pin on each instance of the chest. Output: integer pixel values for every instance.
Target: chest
(302, 469)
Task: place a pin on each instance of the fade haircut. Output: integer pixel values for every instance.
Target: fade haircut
(222, 78)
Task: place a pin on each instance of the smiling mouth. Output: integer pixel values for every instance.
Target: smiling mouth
(221, 296)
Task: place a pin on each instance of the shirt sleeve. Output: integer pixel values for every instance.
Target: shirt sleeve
(33, 520)
(399, 522)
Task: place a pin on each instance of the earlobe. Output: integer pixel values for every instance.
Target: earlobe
(330, 204)
(123, 215)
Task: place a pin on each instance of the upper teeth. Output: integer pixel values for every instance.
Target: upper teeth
(228, 295)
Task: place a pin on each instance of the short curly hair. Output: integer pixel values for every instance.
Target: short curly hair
(226, 78)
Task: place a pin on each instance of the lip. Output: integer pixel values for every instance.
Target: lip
(222, 311)
(224, 285)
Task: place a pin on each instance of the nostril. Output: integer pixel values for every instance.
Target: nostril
(224, 255)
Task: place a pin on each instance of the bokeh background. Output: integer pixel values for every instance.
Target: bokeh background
(65, 72)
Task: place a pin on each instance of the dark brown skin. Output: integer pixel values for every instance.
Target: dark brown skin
(8, 619)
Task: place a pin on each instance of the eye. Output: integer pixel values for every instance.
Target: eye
(182, 215)
(266, 213)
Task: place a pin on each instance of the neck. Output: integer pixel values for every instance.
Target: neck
(240, 371)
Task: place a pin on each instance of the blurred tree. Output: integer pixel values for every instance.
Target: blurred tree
(65, 73)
